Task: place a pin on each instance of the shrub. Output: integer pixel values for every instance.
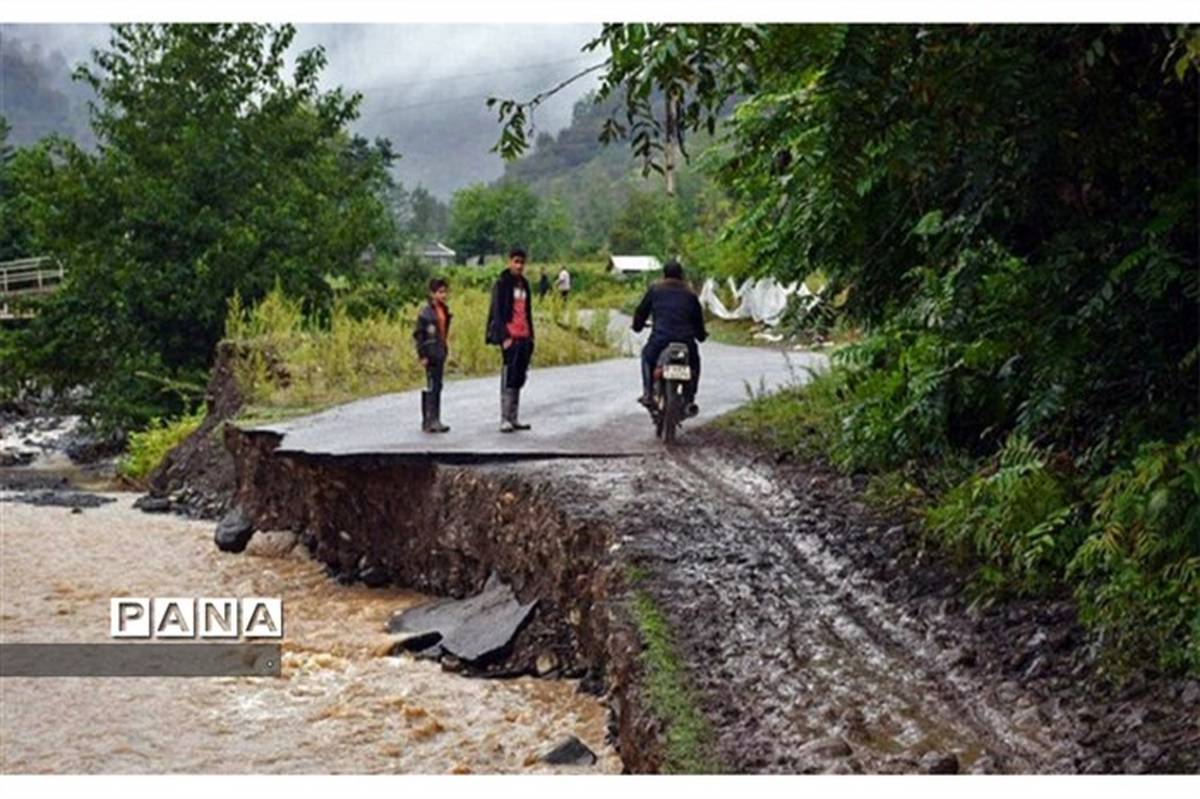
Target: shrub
(1015, 521)
(147, 447)
(1139, 569)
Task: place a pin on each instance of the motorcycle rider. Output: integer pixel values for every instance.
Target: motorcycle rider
(677, 317)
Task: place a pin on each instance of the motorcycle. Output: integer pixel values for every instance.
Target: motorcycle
(670, 401)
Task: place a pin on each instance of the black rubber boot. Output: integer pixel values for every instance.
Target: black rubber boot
(426, 411)
(507, 411)
(516, 411)
(435, 425)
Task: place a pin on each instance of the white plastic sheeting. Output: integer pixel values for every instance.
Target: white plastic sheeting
(764, 301)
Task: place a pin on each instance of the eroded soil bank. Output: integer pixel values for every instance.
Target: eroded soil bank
(809, 637)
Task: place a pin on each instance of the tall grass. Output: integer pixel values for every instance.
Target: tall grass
(290, 359)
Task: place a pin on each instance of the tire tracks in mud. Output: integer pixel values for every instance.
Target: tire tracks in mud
(803, 664)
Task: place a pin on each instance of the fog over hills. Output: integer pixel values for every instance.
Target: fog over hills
(423, 86)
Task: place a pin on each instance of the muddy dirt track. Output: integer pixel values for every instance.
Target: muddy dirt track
(816, 643)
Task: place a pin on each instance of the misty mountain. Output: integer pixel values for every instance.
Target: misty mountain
(445, 139)
(424, 87)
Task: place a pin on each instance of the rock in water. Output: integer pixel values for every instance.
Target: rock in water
(271, 543)
(374, 575)
(545, 663)
(234, 531)
(571, 752)
(152, 504)
(15, 457)
(60, 499)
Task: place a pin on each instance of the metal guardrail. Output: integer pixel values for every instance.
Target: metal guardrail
(30, 276)
(25, 278)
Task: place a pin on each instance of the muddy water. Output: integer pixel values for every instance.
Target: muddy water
(339, 707)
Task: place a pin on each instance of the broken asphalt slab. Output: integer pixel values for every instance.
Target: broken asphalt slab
(470, 629)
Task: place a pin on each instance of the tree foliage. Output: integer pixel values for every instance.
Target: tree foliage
(1011, 211)
(490, 219)
(216, 172)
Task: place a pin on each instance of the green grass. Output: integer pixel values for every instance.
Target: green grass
(798, 421)
(688, 736)
(147, 447)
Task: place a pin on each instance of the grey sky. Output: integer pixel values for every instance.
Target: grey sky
(421, 83)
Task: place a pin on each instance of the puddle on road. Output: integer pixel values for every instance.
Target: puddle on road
(339, 706)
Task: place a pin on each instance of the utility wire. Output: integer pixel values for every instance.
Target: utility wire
(445, 78)
(425, 104)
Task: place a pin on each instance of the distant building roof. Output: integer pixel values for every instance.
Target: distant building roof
(435, 250)
(634, 263)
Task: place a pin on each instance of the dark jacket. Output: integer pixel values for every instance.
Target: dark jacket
(430, 343)
(500, 312)
(676, 311)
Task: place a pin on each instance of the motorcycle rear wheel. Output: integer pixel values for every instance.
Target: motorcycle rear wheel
(672, 412)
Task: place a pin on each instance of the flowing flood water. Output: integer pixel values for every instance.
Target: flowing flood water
(341, 705)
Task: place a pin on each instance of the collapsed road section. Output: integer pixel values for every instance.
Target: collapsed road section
(738, 617)
(447, 530)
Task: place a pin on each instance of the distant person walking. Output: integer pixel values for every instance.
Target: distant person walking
(432, 336)
(510, 326)
(563, 284)
(543, 286)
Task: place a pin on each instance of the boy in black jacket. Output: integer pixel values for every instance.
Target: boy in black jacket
(510, 327)
(431, 336)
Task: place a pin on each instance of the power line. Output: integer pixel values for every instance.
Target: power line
(428, 103)
(444, 78)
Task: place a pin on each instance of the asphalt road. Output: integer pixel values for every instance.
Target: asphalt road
(589, 410)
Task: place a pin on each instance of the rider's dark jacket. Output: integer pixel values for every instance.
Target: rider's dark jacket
(676, 311)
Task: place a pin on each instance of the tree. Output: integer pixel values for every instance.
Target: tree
(488, 219)
(215, 173)
(649, 223)
(430, 216)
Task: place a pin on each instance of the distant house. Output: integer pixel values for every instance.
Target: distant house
(634, 264)
(436, 253)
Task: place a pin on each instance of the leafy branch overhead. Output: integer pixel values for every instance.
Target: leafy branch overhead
(674, 80)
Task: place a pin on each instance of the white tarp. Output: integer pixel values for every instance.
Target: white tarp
(710, 300)
(629, 264)
(763, 300)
